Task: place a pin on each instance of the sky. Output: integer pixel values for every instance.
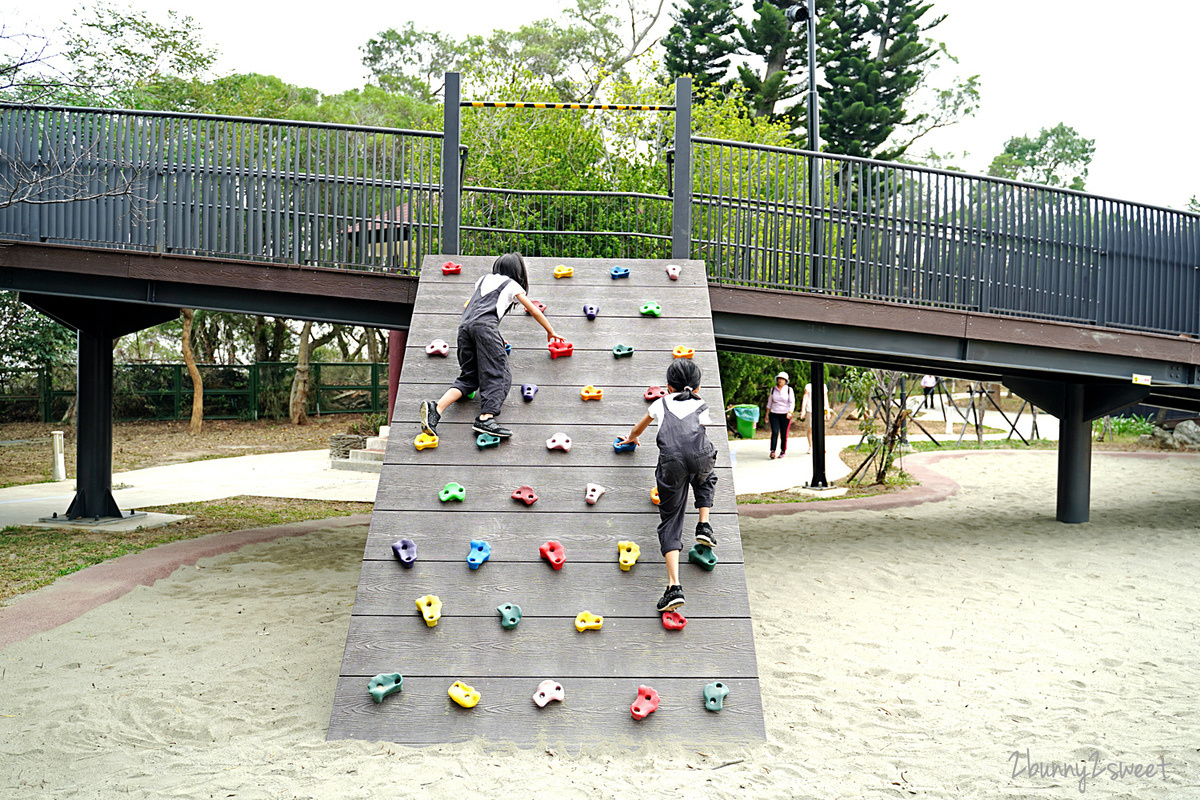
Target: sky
(1119, 73)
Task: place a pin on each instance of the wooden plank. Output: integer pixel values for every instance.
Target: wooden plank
(515, 535)
(598, 334)
(559, 489)
(642, 272)
(639, 648)
(529, 366)
(595, 711)
(567, 300)
(386, 588)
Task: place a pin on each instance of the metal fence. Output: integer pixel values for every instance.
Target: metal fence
(291, 192)
(231, 391)
(566, 224)
(886, 231)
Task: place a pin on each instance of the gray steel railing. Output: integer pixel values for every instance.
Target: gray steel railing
(911, 234)
(566, 224)
(292, 192)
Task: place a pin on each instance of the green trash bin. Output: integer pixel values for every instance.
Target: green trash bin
(747, 418)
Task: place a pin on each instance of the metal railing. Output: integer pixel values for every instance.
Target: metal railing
(909, 234)
(566, 224)
(292, 192)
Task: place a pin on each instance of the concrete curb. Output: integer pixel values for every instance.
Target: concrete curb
(70, 597)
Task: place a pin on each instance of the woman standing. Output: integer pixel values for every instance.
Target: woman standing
(781, 402)
(806, 411)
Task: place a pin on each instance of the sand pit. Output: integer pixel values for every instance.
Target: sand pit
(903, 653)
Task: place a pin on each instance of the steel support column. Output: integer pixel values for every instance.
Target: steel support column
(681, 200)
(1074, 457)
(451, 186)
(816, 423)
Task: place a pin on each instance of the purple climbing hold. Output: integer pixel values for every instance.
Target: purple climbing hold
(405, 551)
(528, 390)
(591, 311)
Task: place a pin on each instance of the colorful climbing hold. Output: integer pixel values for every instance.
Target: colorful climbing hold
(623, 448)
(590, 392)
(559, 441)
(645, 704)
(560, 349)
(654, 393)
(528, 390)
(683, 352)
(431, 609)
(591, 311)
(540, 306)
(481, 551)
(619, 272)
(525, 495)
(651, 309)
(629, 552)
(382, 685)
(510, 615)
(654, 496)
(438, 347)
(622, 351)
(453, 491)
(405, 551)
(486, 440)
(714, 695)
(587, 621)
(471, 395)
(563, 272)
(554, 553)
(450, 268)
(674, 621)
(549, 690)
(507, 349)
(464, 695)
(703, 555)
(673, 271)
(424, 440)
(593, 493)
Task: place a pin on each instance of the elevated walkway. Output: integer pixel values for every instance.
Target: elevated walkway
(600, 670)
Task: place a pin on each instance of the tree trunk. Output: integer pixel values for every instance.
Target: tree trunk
(372, 345)
(299, 397)
(197, 383)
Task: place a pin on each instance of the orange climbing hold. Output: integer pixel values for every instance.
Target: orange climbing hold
(654, 496)
(590, 392)
(683, 352)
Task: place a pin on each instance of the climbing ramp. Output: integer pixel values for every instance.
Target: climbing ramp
(599, 670)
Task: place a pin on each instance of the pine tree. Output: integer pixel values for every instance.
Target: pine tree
(700, 42)
(783, 52)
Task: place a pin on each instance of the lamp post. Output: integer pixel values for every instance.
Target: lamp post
(802, 12)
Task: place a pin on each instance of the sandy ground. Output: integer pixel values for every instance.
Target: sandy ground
(904, 653)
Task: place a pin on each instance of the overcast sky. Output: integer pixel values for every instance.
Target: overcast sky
(1125, 81)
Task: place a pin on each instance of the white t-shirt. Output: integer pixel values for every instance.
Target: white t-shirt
(509, 289)
(679, 408)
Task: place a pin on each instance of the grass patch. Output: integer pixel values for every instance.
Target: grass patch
(34, 557)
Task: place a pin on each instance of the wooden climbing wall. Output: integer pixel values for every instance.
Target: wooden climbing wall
(600, 670)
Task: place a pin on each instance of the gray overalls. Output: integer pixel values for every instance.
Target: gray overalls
(685, 456)
(482, 362)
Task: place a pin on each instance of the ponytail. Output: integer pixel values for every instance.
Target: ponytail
(684, 375)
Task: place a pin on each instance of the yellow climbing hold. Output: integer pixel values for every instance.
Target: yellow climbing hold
(424, 440)
(431, 609)
(629, 554)
(587, 621)
(464, 695)
(654, 496)
(563, 272)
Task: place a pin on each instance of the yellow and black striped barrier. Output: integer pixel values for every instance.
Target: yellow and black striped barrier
(563, 106)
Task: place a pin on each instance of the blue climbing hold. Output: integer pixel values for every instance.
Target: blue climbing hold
(623, 448)
(507, 349)
(480, 552)
(619, 272)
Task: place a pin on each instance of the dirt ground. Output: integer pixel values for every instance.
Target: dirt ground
(25, 446)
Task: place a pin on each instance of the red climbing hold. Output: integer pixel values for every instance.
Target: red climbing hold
(450, 268)
(645, 704)
(539, 306)
(560, 349)
(554, 553)
(674, 621)
(525, 495)
(655, 392)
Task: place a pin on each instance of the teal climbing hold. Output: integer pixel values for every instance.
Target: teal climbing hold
(485, 440)
(382, 685)
(703, 555)
(714, 695)
(453, 491)
(622, 351)
(510, 615)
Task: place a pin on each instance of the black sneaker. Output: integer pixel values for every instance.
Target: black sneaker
(705, 535)
(490, 425)
(429, 417)
(672, 599)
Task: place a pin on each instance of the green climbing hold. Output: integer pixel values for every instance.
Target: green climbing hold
(486, 440)
(714, 695)
(652, 309)
(510, 615)
(383, 685)
(471, 396)
(622, 351)
(703, 555)
(456, 491)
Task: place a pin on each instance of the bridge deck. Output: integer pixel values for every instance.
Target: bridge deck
(602, 670)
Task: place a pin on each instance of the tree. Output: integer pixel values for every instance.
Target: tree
(193, 372)
(1058, 156)
(771, 38)
(30, 339)
(700, 42)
